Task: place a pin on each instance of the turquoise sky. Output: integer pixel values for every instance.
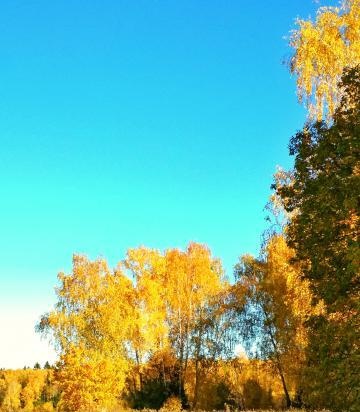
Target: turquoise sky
(127, 123)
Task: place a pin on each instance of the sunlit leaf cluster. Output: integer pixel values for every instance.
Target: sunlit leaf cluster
(323, 49)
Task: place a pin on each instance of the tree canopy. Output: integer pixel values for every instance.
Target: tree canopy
(324, 232)
(323, 49)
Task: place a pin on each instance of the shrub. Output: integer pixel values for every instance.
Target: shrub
(172, 404)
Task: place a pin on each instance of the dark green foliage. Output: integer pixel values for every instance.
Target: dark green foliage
(47, 365)
(255, 397)
(333, 375)
(224, 396)
(152, 395)
(158, 383)
(325, 195)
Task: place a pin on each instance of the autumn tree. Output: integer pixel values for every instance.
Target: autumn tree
(323, 49)
(150, 329)
(159, 381)
(107, 327)
(179, 295)
(194, 279)
(10, 390)
(89, 380)
(324, 232)
(273, 303)
(29, 390)
(32, 384)
(91, 326)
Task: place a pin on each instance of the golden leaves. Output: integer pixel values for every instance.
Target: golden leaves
(104, 322)
(322, 50)
(89, 380)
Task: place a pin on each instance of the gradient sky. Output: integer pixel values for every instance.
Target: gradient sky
(127, 123)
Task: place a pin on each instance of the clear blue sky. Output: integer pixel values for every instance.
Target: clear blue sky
(127, 123)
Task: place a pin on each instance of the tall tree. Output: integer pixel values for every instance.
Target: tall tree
(105, 325)
(89, 380)
(274, 303)
(324, 231)
(150, 328)
(177, 292)
(91, 327)
(194, 279)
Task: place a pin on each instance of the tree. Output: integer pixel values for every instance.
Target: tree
(324, 231)
(32, 383)
(194, 282)
(107, 327)
(178, 295)
(323, 49)
(47, 365)
(274, 302)
(10, 389)
(27, 390)
(150, 328)
(91, 327)
(88, 380)
(160, 380)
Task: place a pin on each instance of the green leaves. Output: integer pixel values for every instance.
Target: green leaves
(325, 235)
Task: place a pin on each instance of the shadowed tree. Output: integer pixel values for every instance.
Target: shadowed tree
(274, 302)
(324, 232)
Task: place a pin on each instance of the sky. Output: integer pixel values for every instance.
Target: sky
(128, 123)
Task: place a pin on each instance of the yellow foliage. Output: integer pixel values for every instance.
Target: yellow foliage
(32, 387)
(11, 400)
(106, 325)
(149, 328)
(88, 381)
(92, 324)
(283, 302)
(241, 383)
(172, 291)
(322, 50)
(45, 407)
(172, 404)
(291, 306)
(27, 390)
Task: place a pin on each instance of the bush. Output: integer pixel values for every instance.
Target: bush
(172, 404)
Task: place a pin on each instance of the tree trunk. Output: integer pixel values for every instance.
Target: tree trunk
(279, 368)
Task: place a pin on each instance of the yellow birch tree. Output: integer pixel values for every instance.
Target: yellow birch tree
(323, 49)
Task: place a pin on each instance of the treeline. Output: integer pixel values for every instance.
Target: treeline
(28, 390)
(238, 383)
(173, 330)
(167, 325)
